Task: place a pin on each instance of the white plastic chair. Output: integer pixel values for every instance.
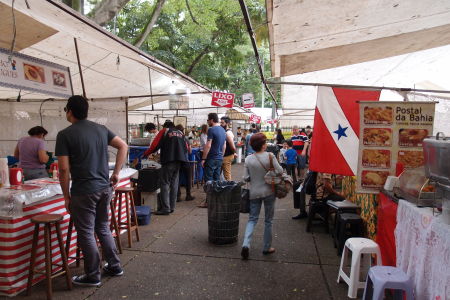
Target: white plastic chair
(357, 246)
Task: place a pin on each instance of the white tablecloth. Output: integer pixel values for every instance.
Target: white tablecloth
(423, 250)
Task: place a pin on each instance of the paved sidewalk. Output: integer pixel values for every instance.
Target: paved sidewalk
(174, 260)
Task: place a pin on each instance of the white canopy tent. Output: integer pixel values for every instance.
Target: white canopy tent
(371, 43)
(429, 69)
(113, 71)
(311, 35)
(110, 66)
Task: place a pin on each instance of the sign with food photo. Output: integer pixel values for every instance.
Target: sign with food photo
(377, 137)
(379, 158)
(24, 72)
(390, 133)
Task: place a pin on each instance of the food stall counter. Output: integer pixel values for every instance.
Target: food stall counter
(18, 204)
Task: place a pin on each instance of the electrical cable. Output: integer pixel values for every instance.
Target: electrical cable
(13, 43)
(255, 49)
(40, 108)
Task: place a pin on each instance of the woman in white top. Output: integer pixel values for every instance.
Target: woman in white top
(256, 166)
(204, 135)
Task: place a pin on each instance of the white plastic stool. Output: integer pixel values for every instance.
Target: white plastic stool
(357, 246)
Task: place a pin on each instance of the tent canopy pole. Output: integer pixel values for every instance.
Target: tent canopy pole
(350, 86)
(79, 67)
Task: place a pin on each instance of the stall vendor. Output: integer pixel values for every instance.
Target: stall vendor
(30, 151)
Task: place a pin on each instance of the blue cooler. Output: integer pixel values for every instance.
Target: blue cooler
(143, 215)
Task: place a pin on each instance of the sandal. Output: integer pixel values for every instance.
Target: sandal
(270, 251)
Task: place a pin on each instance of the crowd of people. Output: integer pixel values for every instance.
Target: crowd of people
(218, 151)
(83, 157)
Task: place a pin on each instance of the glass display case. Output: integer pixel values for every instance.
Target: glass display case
(415, 187)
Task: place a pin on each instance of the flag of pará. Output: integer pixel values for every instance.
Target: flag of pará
(335, 142)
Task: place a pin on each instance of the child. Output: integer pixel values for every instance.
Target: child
(290, 157)
(281, 158)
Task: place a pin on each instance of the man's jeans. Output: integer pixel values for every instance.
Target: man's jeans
(90, 214)
(255, 207)
(169, 185)
(212, 169)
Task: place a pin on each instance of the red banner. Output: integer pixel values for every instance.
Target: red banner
(255, 119)
(222, 99)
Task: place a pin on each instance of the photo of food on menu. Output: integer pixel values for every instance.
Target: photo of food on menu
(378, 115)
(410, 158)
(411, 137)
(373, 179)
(376, 158)
(377, 137)
(34, 73)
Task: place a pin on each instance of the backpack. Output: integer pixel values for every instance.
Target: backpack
(278, 181)
(310, 183)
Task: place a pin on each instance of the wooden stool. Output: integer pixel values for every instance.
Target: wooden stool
(48, 220)
(130, 226)
(77, 256)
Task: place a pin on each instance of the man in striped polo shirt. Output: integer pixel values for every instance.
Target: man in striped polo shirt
(300, 143)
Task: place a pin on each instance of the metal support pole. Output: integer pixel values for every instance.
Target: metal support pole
(150, 83)
(126, 119)
(79, 68)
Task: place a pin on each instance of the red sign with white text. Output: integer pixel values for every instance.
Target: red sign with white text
(222, 99)
(255, 119)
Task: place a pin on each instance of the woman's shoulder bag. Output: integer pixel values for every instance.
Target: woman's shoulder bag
(278, 181)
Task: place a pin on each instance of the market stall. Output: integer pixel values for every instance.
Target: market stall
(48, 53)
(17, 205)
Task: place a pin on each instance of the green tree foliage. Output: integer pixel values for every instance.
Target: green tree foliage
(206, 39)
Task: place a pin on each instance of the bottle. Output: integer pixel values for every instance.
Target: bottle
(55, 174)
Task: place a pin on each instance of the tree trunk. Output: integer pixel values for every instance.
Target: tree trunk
(199, 57)
(148, 28)
(106, 10)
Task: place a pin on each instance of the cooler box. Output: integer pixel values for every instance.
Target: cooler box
(143, 215)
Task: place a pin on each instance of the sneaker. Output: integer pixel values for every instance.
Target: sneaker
(109, 271)
(83, 280)
(244, 253)
(161, 213)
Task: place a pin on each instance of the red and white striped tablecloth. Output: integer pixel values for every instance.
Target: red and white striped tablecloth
(16, 235)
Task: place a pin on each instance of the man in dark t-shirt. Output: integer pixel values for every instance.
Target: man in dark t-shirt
(82, 150)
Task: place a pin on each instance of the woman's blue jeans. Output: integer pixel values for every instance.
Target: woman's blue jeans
(255, 207)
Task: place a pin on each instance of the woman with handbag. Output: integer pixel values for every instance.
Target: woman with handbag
(256, 169)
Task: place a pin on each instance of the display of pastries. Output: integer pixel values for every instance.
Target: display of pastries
(411, 159)
(378, 115)
(34, 73)
(374, 179)
(377, 136)
(59, 79)
(376, 158)
(411, 137)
